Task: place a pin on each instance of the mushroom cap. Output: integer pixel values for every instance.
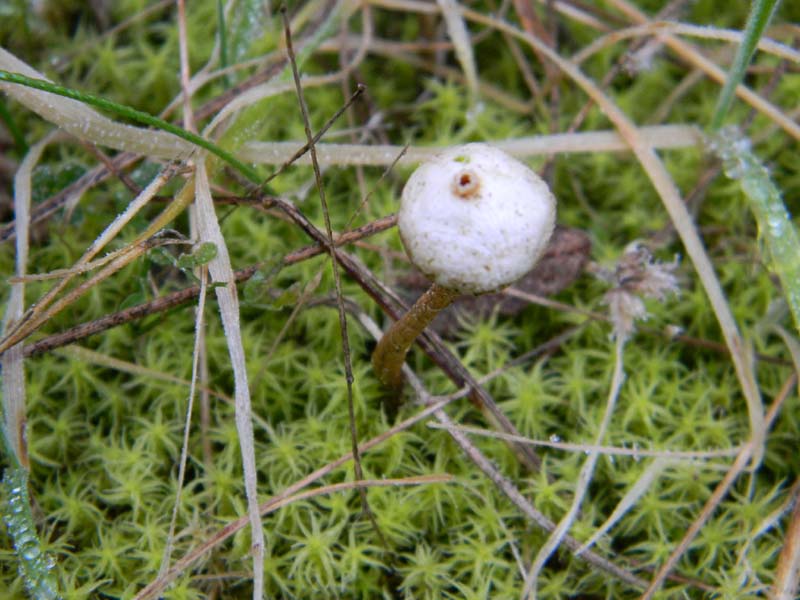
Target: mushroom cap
(475, 220)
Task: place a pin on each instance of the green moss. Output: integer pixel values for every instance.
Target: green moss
(104, 443)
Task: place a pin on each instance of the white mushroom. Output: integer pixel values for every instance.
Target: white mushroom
(474, 220)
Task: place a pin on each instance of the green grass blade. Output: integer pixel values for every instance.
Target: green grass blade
(35, 566)
(134, 115)
(761, 12)
(774, 222)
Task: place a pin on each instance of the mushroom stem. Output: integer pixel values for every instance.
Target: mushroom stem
(390, 353)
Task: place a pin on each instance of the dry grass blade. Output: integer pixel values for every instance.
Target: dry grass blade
(228, 301)
(711, 33)
(668, 455)
(12, 361)
(80, 269)
(93, 357)
(198, 327)
(457, 30)
(644, 483)
(84, 123)
(659, 136)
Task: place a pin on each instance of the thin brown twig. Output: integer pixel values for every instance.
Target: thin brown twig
(331, 248)
(662, 111)
(366, 198)
(108, 163)
(175, 299)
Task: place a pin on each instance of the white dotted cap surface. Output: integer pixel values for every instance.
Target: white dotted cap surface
(475, 220)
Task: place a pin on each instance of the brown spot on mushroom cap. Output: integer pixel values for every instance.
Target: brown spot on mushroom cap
(466, 183)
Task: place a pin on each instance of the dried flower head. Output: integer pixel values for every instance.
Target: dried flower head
(637, 275)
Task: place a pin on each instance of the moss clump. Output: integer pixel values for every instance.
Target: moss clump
(105, 437)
